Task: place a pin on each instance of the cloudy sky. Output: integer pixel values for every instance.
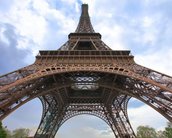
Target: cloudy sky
(142, 26)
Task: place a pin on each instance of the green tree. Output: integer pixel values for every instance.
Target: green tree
(3, 133)
(20, 133)
(146, 132)
(161, 134)
(9, 133)
(168, 130)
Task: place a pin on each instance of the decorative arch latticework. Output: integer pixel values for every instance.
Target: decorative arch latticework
(85, 77)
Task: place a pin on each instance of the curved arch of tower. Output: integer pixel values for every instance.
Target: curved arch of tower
(85, 76)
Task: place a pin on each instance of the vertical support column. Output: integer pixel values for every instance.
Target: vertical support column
(118, 118)
(51, 118)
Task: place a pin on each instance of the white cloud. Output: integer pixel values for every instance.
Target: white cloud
(85, 126)
(29, 26)
(112, 36)
(33, 21)
(87, 132)
(147, 21)
(3, 38)
(145, 115)
(69, 1)
(159, 60)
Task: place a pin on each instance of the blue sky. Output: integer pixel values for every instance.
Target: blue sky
(142, 26)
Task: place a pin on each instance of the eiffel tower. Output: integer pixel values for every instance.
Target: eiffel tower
(85, 76)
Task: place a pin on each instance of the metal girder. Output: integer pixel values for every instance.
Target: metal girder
(84, 25)
(112, 85)
(51, 118)
(114, 115)
(118, 118)
(85, 77)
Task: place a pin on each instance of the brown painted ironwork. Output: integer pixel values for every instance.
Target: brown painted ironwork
(85, 76)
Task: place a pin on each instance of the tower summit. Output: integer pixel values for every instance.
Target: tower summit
(85, 76)
(84, 25)
(84, 37)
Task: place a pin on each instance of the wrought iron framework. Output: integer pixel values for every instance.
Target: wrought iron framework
(85, 77)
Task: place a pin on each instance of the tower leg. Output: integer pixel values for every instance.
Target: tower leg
(118, 118)
(51, 118)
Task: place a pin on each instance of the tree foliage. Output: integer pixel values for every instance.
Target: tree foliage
(9, 133)
(161, 134)
(149, 132)
(142, 132)
(146, 132)
(168, 130)
(19, 133)
(3, 133)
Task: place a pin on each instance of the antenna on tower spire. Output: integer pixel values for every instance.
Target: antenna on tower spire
(85, 9)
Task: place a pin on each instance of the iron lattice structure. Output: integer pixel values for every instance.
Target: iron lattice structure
(85, 76)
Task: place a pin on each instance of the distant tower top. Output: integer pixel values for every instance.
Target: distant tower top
(85, 9)
(84, 25)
